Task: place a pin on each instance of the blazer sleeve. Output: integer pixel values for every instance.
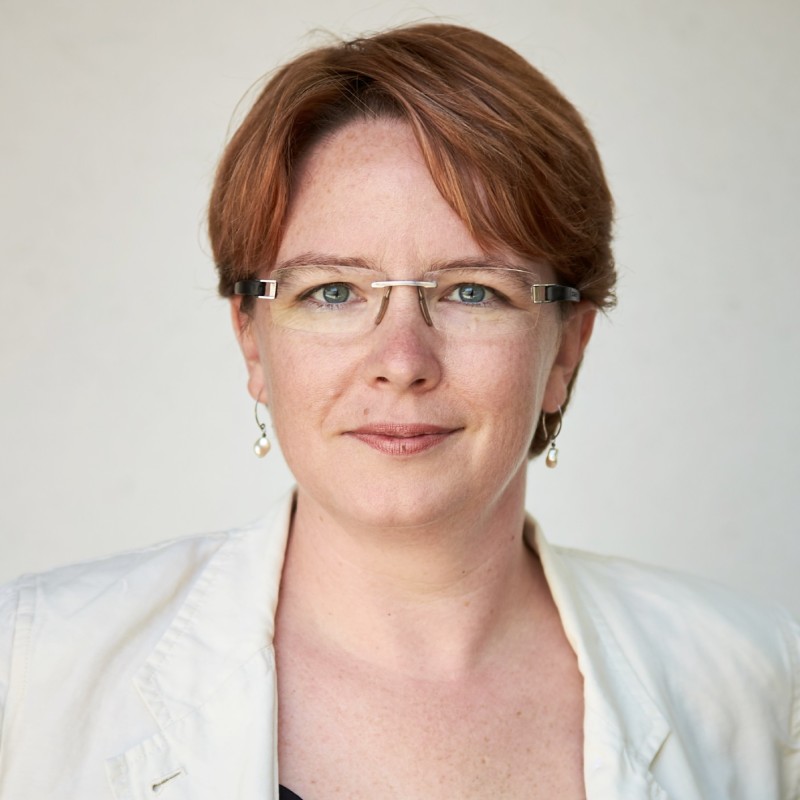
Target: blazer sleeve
(792, 749)
(9, 602)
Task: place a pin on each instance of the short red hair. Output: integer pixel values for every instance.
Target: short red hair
(507, 151)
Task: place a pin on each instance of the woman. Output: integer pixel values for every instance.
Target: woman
(414, 233)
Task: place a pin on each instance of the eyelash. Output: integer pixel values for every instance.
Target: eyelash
(495, 296)
(309, 295)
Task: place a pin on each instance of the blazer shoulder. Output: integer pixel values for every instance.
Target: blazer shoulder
(67, 589)
(656, 600)
(695, 642)
(115, 601)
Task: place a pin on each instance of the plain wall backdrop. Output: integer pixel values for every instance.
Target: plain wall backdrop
(125, 418)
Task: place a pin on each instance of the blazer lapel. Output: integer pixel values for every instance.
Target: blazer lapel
(210, 682)
(226, 747)
(624, 728)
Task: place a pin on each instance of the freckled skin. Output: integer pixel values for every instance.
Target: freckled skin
(366, 193)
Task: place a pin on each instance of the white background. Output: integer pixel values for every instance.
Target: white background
(125, 418)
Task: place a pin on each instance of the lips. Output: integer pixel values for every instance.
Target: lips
(402, 438)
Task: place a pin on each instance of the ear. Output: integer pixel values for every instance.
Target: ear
(245, 329)
(575, 334)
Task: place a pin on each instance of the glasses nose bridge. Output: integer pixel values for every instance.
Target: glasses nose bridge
(420, 286)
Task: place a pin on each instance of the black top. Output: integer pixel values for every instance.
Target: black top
(287, 794)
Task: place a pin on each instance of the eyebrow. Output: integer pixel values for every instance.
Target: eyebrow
(310, 259)
(519, 274)
(324, 260)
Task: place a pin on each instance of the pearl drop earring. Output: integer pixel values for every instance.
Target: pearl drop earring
(551, 460)
(262, 445)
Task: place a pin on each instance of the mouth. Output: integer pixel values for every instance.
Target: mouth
(402, 438)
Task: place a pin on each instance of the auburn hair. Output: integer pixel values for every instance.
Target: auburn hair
(507, 151)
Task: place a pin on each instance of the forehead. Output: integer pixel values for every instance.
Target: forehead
(366, 192)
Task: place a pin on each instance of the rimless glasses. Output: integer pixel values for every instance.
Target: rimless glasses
(460, 301)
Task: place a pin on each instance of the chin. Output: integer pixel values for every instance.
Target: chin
(407, 499)
(372, 489)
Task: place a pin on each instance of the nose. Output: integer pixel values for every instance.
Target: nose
(405, 351)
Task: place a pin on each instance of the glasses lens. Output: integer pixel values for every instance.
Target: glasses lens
(325, 299)
(466, 302)
(483, 302)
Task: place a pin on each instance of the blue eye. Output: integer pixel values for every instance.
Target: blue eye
(335, 293)
(472, 293)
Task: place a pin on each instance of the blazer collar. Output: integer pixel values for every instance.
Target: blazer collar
(624, 727)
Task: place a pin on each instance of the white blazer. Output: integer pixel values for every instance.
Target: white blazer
(151, 675)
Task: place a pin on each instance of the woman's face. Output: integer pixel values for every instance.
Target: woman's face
(401, 425)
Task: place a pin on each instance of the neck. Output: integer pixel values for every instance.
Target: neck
(423, 601)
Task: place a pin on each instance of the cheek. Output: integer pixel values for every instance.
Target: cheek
(303, 379)
(508, 382)
(523, 393)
